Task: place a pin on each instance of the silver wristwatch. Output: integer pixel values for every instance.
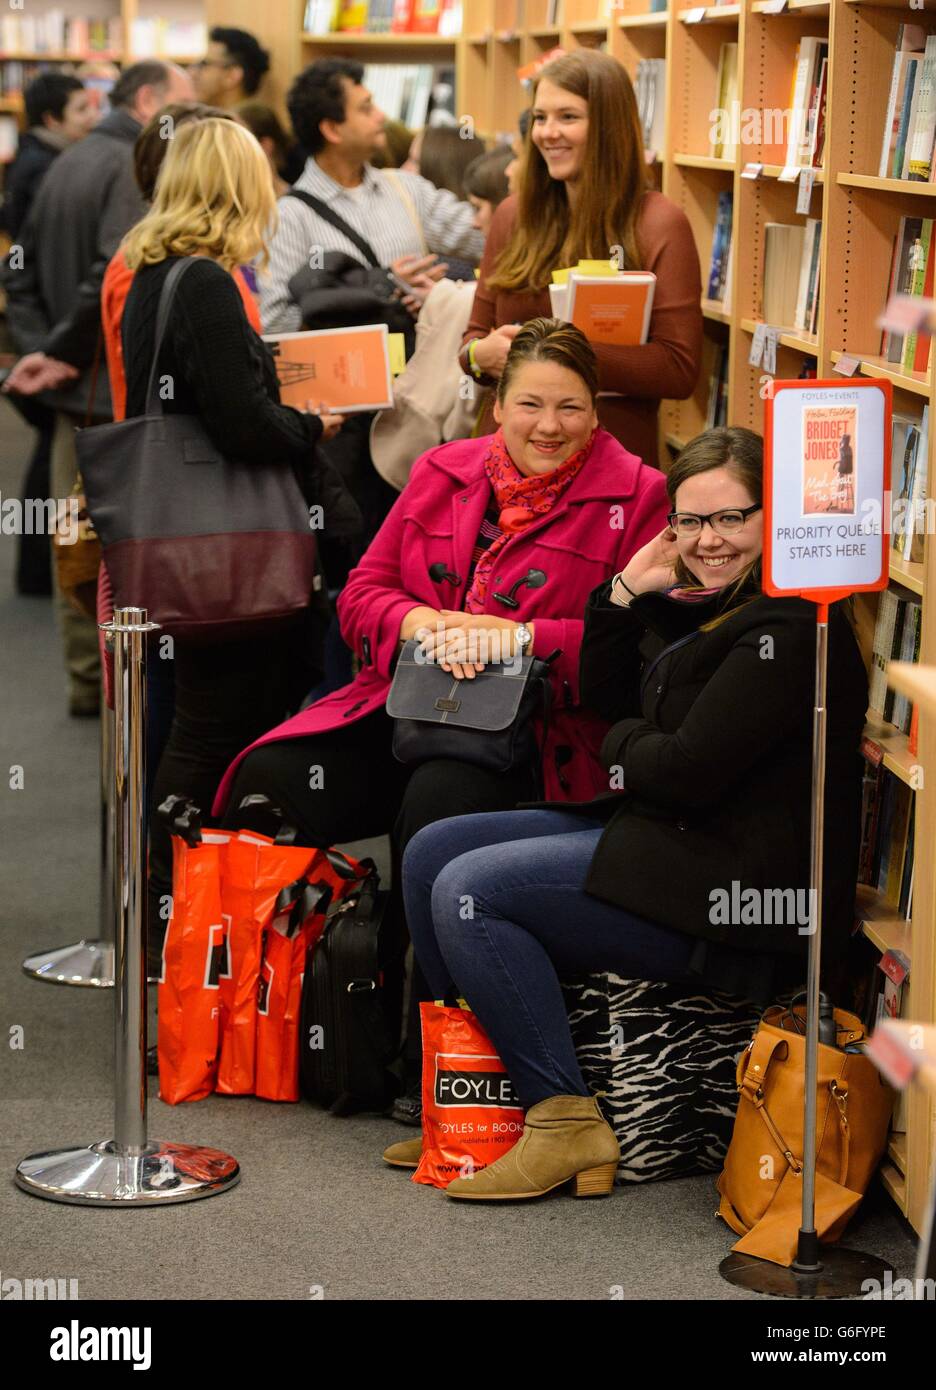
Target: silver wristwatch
(524, 637)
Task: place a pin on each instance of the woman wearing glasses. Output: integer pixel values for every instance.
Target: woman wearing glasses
(695, 863)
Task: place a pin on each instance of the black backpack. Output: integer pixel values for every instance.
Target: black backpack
(351, 1008)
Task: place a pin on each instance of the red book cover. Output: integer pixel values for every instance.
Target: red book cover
(425, 17)
(402, 16)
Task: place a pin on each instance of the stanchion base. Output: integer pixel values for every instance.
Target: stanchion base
(89, 963)
(99, 1175)
(842, 1275)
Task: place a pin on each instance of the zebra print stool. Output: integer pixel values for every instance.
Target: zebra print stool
(666, 1059)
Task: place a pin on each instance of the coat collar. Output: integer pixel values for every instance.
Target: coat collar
(611, 472)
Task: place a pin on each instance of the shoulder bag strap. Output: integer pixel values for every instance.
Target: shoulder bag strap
(153, 403)
(406, 199)
(329, 215)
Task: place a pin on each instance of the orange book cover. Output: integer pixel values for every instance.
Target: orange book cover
(830, 447)
(425, 17)
(612, 309)
(344, 369)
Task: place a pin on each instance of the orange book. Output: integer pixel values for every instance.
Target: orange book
(425, 17)
(344, 369)
(612, 309)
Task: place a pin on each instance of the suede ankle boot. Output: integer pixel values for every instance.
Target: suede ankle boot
(406, 1154)
(564, 1137)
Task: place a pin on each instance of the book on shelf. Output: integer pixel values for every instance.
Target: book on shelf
(161, 38)
(885, 858)
(726, 97)
(352, 16)
(909, 446)
(716, 412)
(896, 638)
(55, 32)
(910, 118)
(721, 247)
(650, 90)
(403, 91)
(425, 18)
(805, 102)
(791, 274)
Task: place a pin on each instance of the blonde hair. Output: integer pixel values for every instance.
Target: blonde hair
(214, 197)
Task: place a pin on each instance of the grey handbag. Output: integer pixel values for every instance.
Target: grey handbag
(487, 721)
(210, 546)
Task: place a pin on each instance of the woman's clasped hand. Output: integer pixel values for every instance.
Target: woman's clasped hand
(465, 643)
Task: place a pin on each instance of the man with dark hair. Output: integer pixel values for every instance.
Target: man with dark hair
(232, 69)
(398, 216)
(87, 202)
(59, 111)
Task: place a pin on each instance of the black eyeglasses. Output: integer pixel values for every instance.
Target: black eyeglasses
(726, 523)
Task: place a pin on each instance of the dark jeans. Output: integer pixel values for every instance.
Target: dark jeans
(496, 907)
(226, 695)
(362, 791)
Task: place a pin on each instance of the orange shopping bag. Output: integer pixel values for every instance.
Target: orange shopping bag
(298, 921)
(256, 869)
(470, 1112)
(191, 964)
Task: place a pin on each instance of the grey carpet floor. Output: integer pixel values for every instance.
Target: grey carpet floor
(316, 1209)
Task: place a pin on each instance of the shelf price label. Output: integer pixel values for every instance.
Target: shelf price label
(789, 173)
(847, 365)
(773, 6)
(756, 354)
(826, 486)
(804, 193)
(771, 336)
(751, 171)
(694, 16)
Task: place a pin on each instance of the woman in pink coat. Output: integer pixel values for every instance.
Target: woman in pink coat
(550, 498)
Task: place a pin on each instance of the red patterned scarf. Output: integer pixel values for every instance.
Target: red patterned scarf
(519, 500)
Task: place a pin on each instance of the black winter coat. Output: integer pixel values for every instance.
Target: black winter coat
(711, 740)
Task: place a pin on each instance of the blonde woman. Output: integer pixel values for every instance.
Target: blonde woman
(213, 201)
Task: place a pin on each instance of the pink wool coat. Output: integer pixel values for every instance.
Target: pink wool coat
(614, 505)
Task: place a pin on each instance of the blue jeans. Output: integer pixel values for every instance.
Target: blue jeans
(496, 908)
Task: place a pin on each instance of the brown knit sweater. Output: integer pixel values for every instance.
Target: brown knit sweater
(666, 366)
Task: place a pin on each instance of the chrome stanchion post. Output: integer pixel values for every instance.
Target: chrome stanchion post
(90, 962)
(129, 1170)
(828, 1271)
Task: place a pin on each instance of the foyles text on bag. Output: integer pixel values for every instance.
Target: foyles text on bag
(191, 964)
(470, 1115)
(761, 1184)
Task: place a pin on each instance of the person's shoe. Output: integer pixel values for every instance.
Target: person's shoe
(407, 1108)
(564, 1138)
(406, 1154)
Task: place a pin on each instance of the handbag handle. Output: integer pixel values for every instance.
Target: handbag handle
(167, 294)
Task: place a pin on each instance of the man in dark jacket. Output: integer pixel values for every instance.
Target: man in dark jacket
(86, 204)
(59, 111)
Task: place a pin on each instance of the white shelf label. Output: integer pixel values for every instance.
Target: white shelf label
(751, 171)
(789, 173)
(756, 354)
(773, 7)
(804, 196)
(770, 350)
(694, 16)
(847, 365)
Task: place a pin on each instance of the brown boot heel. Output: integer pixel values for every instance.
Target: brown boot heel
(595, 1182)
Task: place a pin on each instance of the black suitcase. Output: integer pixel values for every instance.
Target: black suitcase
(351, 1008)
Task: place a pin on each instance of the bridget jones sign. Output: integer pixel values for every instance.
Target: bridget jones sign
(826, 487)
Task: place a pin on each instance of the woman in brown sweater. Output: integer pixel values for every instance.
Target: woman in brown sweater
(583, 194)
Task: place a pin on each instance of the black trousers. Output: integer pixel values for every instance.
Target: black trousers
(347, 785)
(226, 695)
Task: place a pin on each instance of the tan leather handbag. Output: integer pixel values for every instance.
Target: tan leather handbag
(761, 1184)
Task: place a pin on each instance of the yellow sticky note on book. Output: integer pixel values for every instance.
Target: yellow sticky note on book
(597, 268)
(561, 277)
(396, 351)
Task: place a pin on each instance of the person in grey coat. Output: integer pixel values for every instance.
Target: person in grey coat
(86, 204)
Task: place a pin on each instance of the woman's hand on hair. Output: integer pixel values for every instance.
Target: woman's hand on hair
(490, 353)
(652, 569)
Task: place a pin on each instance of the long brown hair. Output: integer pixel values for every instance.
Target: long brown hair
(550, 232)
(741, 451)
(551, 340)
